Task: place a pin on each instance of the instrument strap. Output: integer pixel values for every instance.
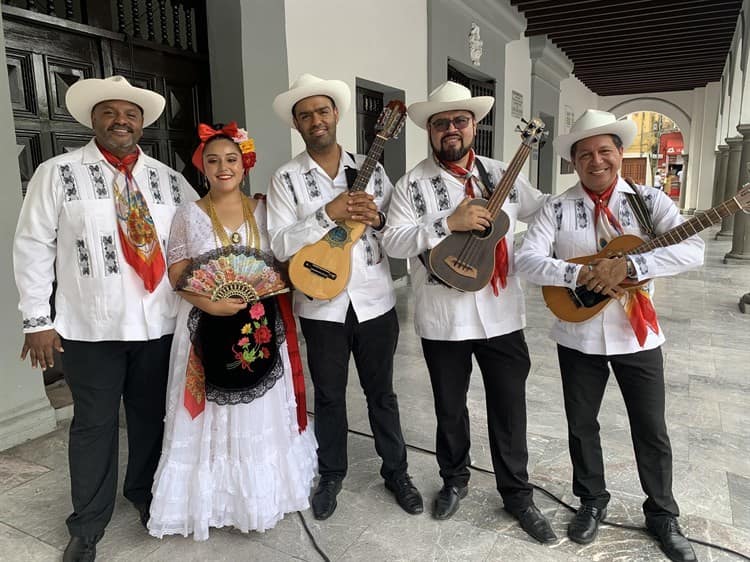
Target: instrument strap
(640, 209)
(351, 173)
(484, 177)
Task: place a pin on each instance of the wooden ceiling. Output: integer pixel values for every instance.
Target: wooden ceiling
(637, 46)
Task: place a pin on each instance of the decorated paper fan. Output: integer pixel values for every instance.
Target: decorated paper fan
(235, 271)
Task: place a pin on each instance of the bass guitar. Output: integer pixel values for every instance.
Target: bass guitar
(581, 304)
(466, 260)
(322, 270)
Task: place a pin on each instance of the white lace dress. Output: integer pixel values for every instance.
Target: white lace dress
(243, 465)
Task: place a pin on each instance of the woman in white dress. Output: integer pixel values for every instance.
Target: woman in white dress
(237, 450)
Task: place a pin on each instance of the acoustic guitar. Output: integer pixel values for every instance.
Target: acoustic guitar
(581, 304)
(466, 260)
(322, 270)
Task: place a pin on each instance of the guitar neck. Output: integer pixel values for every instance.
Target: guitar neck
(694, 225)
(506, 182)
(365, 172)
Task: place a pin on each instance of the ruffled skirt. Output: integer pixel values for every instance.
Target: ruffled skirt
(243, 465)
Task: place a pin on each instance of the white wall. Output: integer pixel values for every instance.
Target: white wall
(384, 42)
(573, 94)
(518, 79)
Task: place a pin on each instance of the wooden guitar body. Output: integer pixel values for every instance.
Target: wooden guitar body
(581, 305)
(466, 260)
(324, 268)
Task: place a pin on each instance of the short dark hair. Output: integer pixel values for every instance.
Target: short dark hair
(333, 103)
(615, 139)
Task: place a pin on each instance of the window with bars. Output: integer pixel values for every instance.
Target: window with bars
(484, 141)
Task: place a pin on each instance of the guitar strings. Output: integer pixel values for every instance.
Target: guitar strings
(472, 246)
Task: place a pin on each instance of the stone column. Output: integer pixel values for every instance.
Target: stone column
(717, 164)
(731, 183)
(25, 411)
(741, 230)
(683, 183)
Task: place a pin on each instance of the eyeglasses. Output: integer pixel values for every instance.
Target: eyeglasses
(442, 125)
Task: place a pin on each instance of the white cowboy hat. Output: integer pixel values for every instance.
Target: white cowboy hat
(306, 86)
(449, 96)
(85, 94)
(592, 123)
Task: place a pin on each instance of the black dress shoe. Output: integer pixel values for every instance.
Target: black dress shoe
(144, 513)
(81, 549)
(324, 498)
(535, 524)
(407, 495)
(671, 540)
(585, 524)
(446, 503)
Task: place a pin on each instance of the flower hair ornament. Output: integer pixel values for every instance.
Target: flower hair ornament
(239, 136)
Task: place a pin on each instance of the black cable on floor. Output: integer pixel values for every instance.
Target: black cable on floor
(570, 507)
(312, 538)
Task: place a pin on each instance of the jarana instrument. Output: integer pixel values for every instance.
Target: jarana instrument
(466, 260)
(322, 270)
(581, 304)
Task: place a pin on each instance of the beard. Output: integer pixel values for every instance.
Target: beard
(317, 144)
(452, 154)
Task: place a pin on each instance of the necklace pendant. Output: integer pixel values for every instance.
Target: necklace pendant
(235, 238)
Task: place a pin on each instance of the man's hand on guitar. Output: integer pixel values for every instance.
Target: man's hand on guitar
(356, 206)
(604, 276)
(469, 217)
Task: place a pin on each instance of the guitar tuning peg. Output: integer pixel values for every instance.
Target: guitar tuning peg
(524, 121)
(519, 129)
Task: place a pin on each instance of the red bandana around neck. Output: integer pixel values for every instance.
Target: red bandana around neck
(602, 212)
(135, 226)
(500, 273)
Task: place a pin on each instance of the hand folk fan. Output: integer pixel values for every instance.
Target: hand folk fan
(234, 271)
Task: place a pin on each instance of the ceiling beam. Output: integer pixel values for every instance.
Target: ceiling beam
(608, 9)
(616, 26)
(573, 46)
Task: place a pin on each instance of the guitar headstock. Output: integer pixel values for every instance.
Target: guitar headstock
(391, 119)
(534, 132)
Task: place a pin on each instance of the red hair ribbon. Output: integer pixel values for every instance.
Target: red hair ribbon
(206, 133)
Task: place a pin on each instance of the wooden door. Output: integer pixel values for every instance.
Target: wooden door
(47, 53)
(635, 169)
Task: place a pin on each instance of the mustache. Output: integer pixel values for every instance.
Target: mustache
(121, 128)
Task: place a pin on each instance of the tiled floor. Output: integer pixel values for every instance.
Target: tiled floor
(708, 395)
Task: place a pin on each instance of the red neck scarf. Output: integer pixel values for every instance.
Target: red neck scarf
(603, 213)
(500, 273)
(135, 227)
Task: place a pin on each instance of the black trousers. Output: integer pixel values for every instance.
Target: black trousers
(640, 377)
(373, 343)
(504, 363)
(98, 374)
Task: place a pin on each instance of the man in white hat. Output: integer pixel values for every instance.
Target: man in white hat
(96, 220)
(429, 203)
(305, 199)
(626, 334)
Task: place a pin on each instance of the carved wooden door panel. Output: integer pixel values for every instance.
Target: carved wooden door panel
(46, 55)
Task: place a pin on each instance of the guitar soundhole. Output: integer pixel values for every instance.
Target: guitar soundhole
(585, 298)
(338, 234)
(482, 234)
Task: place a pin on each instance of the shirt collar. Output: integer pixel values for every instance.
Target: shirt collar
(307, 163)
(92, 155)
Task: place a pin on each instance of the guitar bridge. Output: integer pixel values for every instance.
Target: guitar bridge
(460, 267)
(320, 271)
